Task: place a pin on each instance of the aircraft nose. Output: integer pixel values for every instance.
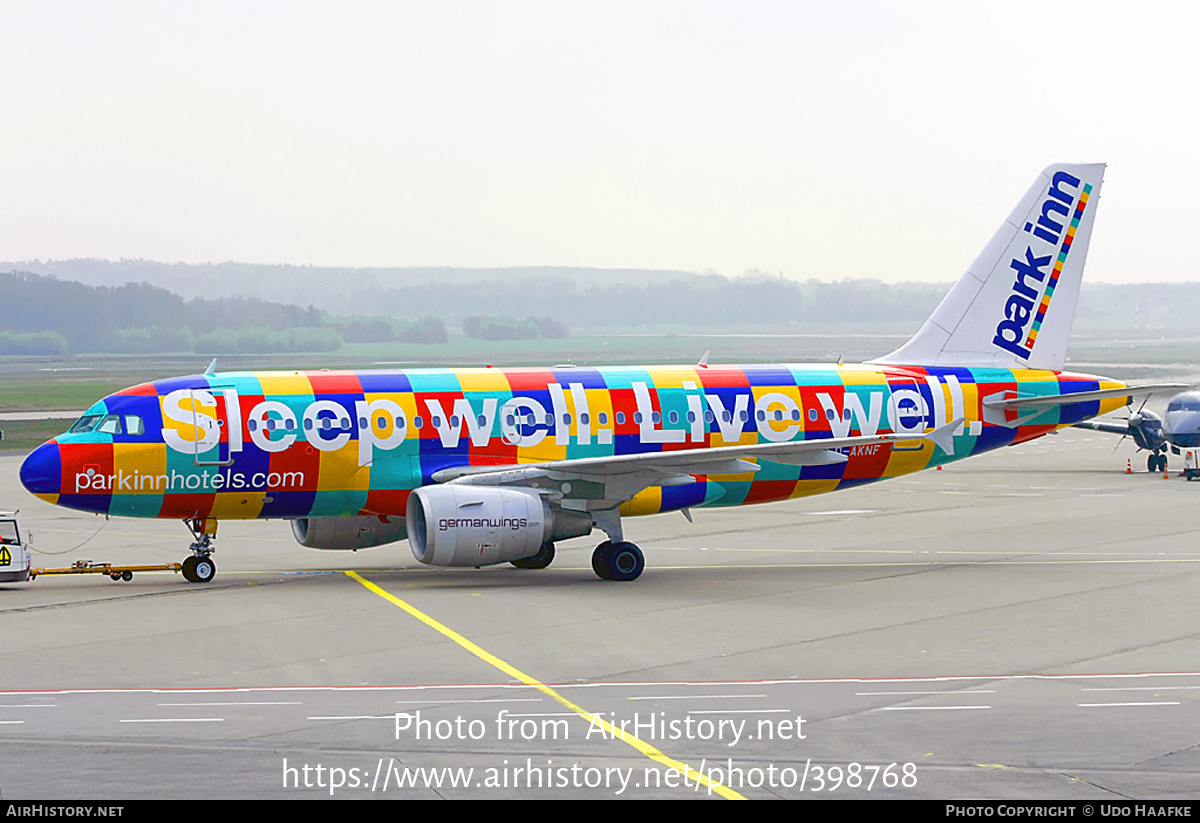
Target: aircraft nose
(1184, 428)
(41, 472)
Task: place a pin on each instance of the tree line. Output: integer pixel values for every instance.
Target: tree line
(43, 315)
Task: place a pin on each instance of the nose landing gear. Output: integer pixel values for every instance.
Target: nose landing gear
(200, 567)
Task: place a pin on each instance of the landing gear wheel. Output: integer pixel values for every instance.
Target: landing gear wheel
(543, 558)
(618, 561)
(625, 562)
(1162, 463)
(204, 569)
(1152, 462)
(199, 569)
(599, 564)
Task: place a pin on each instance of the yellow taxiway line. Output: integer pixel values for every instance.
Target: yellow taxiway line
(642, 746)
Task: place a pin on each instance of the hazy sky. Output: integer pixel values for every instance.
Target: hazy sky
(831, 140)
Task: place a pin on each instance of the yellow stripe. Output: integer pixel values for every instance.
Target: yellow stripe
(612, 731)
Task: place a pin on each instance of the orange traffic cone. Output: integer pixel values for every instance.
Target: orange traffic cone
(1129, 467)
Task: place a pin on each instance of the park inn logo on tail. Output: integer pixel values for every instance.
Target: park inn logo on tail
(1033, 287)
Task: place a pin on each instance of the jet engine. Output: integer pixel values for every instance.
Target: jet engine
(347, 532)
(462, 525)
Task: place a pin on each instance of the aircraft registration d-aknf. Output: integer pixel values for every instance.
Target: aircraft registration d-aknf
(487, 465)
(1177, 430)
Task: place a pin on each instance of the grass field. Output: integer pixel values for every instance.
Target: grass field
(49, 394)
(44, 383)
(24, 435)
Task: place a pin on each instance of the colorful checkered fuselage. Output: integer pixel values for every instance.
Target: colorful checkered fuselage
(330, 444)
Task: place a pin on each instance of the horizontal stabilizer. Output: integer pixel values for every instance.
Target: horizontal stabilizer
(1048, 400)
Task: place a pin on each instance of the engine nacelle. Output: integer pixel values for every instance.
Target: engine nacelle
(348, 532)
(462, 525)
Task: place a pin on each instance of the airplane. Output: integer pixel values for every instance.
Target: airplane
(482, 466)
(1178, 430)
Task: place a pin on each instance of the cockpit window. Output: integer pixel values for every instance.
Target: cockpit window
(110, 425)
(1189, 404)
(85, 424)
(130, 424)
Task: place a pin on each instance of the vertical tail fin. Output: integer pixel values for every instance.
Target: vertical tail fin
(1015, 305)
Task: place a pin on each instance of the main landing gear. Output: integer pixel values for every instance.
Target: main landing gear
(1156, 462)
(618, 561)
(614, 559)
(199, 567)
(610, 561)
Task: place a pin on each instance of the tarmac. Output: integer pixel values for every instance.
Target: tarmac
(1021, 625)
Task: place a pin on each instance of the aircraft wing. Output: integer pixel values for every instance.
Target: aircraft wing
(1016, 403)
(609, 481)
(1100, 426)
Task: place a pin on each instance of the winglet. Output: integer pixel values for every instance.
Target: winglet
(943, 436)
(703, 362)
(212, 367)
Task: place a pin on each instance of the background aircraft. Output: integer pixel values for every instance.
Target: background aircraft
(1177, 430)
